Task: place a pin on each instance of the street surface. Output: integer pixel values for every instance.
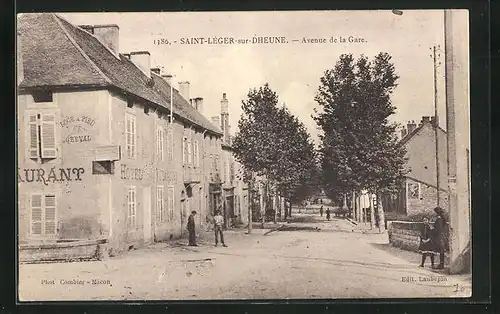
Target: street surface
(311, 258)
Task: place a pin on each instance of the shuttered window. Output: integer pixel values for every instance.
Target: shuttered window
(43, 214)
(131, 135)
(42, 136)
(160, 143)
(160, 204)
(184, 150)
(170, 144)
(170, 204)
(131, 206)
(196, 154)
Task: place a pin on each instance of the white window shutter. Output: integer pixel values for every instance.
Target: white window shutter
(33, 137)
(36, 213)
(48, 126)
(50, 214)
(184, 153)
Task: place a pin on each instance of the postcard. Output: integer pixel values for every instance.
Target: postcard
(243, 155)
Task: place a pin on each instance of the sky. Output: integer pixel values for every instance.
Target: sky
(293, 70)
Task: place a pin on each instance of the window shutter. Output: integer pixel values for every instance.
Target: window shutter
(184, 153)
(170, 144)
(50, 214)
(34, 140)
(170, 200)
(36, 214)
(48, 125)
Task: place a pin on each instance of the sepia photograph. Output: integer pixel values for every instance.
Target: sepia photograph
(243, 155)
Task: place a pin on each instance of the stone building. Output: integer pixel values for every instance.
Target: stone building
(419, 190)
(103, 164)
(234, 192)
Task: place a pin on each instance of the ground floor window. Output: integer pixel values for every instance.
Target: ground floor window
(131, 206)
(43, 214)
(160, 204)
(171, 203)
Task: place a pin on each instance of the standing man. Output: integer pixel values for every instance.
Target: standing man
(218, 221)
(321, 210)
(439, 235)
(191, 229)
(328, 213)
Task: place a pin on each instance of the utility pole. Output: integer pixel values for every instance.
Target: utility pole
(436, 123)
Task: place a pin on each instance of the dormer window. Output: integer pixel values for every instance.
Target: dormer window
(42, 96)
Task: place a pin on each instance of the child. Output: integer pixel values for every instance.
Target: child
(426, 246)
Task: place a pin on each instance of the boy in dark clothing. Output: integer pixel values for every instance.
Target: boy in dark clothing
(191, 229)
(328, 213)
(426, 244)
(321, 211)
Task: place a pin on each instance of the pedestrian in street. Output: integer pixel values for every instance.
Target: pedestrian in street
(191, 229)
(218, 221)
(328, 213)
(208, 220)
(426, 243)
(321, 210)
(439, 235)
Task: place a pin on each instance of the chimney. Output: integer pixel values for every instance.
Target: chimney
(168, 78)
(20, 63)
(411, 126)
(109, 35)
(156, 70)
(87, 28)
(199, 104)
(425, 119)
(126, 55)
(224, 104)
(404, 132)
(435, 121)
(142, 60)
(216, 121)
(184, 89)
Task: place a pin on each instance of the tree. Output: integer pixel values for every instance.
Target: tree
(274, 144)
(359, 146)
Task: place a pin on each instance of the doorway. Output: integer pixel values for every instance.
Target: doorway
(146, 201)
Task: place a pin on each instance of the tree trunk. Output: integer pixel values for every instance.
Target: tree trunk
(250, 202)
(290, 213)
(381, 214)
(275, 206)
(372, 211)
(262, 205)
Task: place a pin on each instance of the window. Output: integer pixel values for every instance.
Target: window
(103, 167)
(131, 206)
(170, 205)
(42, 136)
(189, 151)
(196, 154)
(160, 204)
(131, 138)
(42, 96)
(43, 214)
(184, 150)
(413, 190)
(160, 142)
(170, 144)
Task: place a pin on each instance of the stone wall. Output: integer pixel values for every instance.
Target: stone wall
(405, 234)
(63, 251)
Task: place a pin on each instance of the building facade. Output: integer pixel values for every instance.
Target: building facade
(101, 155)
(419, 189)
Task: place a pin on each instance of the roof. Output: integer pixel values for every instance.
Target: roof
(56, 53)
(410, 135)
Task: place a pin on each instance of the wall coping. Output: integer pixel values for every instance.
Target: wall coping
(58, 245)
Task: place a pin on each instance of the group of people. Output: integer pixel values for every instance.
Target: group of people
(217, 221)
(433, 239)
(327, 212)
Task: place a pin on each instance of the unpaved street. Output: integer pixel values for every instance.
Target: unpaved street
(331, 261)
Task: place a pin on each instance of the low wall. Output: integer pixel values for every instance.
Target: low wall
(76, 250)
(406, 235)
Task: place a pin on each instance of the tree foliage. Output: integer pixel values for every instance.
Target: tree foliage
(274, 144)
(359, 145)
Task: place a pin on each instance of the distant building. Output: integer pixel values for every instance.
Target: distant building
(418, 192)
(234, 193)
(99, 160)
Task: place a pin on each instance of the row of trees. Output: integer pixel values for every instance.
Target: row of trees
(275, 148)
(359, 147)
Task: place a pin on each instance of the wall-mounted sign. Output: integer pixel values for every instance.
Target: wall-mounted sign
(50, 176)
(78, 129)
(108, 153)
